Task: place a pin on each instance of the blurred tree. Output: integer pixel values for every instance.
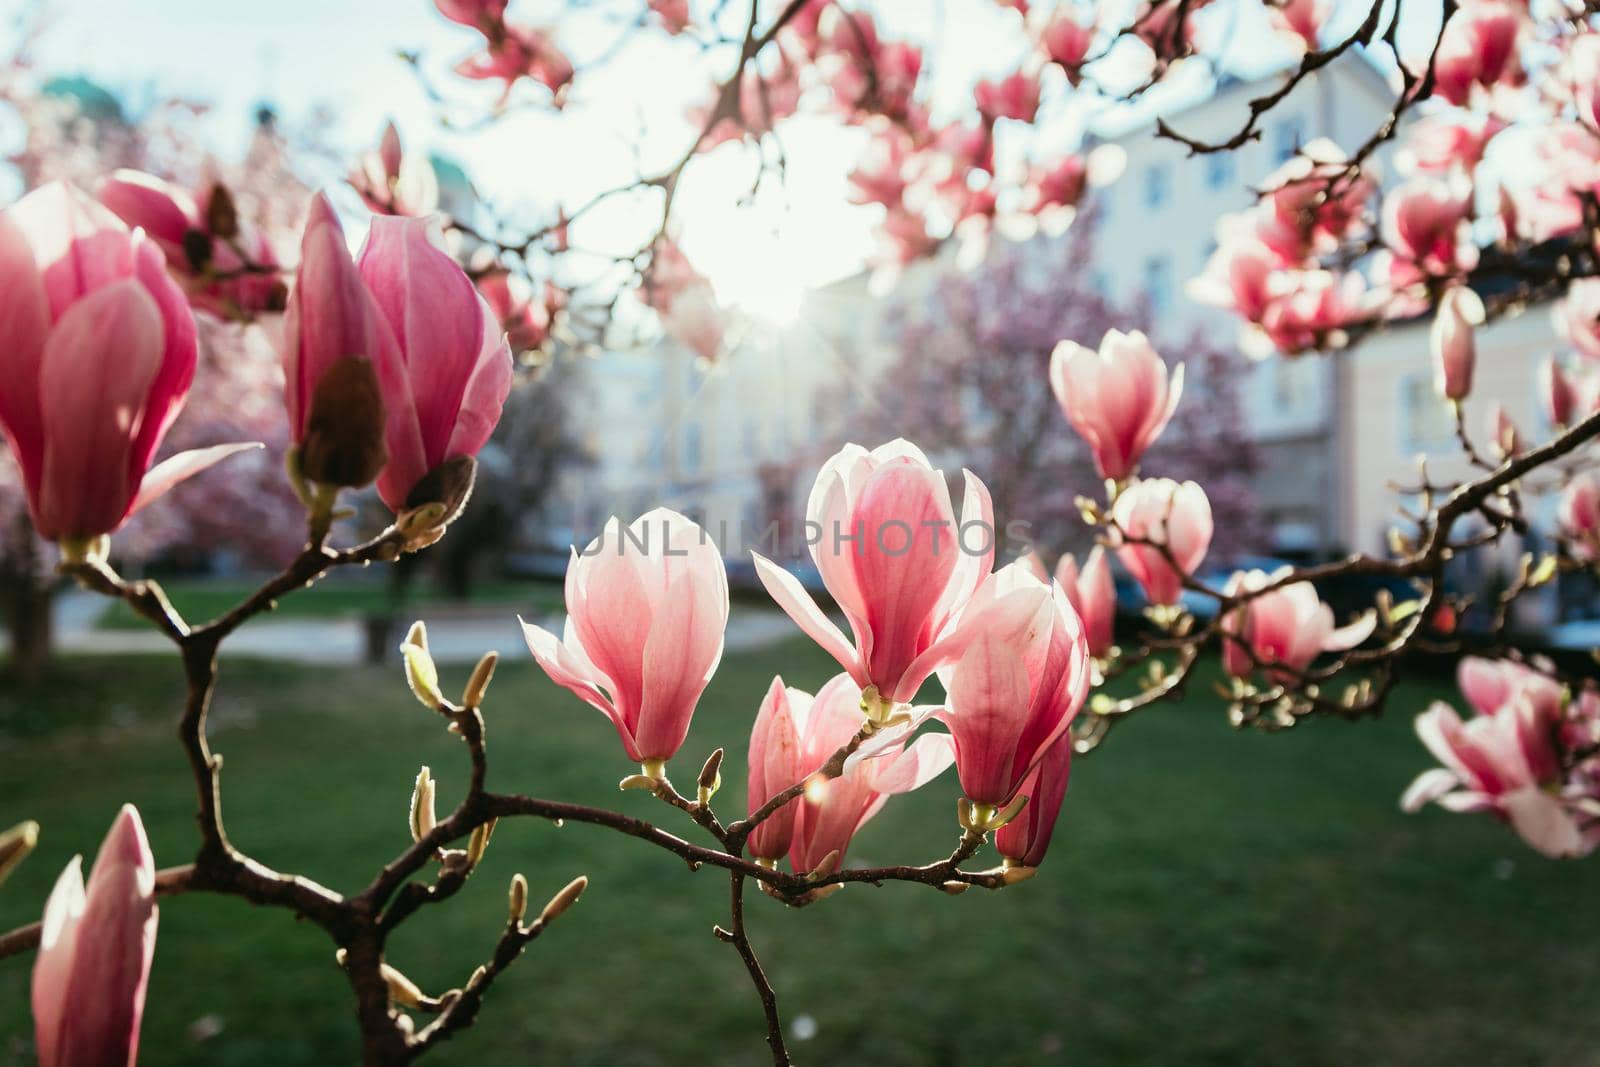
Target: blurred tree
(972, 376)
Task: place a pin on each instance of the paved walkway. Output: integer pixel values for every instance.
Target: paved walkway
(455, 635)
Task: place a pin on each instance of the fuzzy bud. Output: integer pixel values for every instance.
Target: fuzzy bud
(422, 812)
(478, 684)
(421, 674)
(344, 438)
(15, 844)
(564, 899)
(517, 899)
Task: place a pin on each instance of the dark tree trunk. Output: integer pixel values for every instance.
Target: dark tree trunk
(27, 598)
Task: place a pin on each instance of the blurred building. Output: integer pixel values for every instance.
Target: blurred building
(726, 443)
(1392, 419)
(1157, 228)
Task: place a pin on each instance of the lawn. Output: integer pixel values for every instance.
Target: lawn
(1213, 897)
(336, 596)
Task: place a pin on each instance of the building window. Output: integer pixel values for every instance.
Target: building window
(1157, 186)
(1425, 422)
(1219, 170)
(1288, 137)
(1158, 285)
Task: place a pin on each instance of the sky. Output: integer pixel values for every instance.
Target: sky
(340, 57)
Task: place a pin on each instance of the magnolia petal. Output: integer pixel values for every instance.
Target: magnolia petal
(792, 597)
(1429, 786)
(182, 466)
(565, 670)
(1543, 822)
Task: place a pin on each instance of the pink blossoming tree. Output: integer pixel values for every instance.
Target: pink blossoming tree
(396, 367)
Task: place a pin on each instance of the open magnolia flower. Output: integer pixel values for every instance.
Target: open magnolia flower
(832, 811)
(1283, 630)
(1013, 693)
(95, 950)
(1512, 758)
(97, 353)
(896, 559)
(647, 605)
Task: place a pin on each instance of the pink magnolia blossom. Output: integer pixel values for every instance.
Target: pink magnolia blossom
(893, 555)
(95, 948)
(1300, 21)
(1505, 439)
(1066, 41)
(1313, 309)
(1093, 595)
(1579, 516)
(391, 181)
(831, 811)
(1426, 226)
(483, 15)
(1314, 198)
(776, 764)
(97, 352)
(1453, 341)
(1505, 762)
(765, 98)
(1155, 23)
(881, 177)
(1556, 393)
(519, 52)
(1024, 840)
(1015, 96)
(1014, 691)
(1480, 50)
(1119, 399)
(685, 301)
(1285, 628)
(1491, 685)
(1239, 275)
(1443, 142)
(208, 264)
(452, 349)
(1577, 317)
(1582, 75)
(1164, 513)
(674, 14)
(332, 320)
(1059, 185)
(1566, 166)
(647, 605)
(526, 320)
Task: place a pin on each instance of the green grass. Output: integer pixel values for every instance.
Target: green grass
(199, 599)
(1212, 897)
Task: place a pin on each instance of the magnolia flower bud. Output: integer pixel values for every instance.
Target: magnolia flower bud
(402, 990)
(1454, 347)
(15, 844)
(710, 777)
(517, 899)
(564, 899)
(478, 684)
(478, 843)
(438, 499)
(343, 443)
(421, 674)
(422, 814)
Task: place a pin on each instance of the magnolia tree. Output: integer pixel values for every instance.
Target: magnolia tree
(397, 368)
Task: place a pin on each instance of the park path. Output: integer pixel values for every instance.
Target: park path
(455, 635)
